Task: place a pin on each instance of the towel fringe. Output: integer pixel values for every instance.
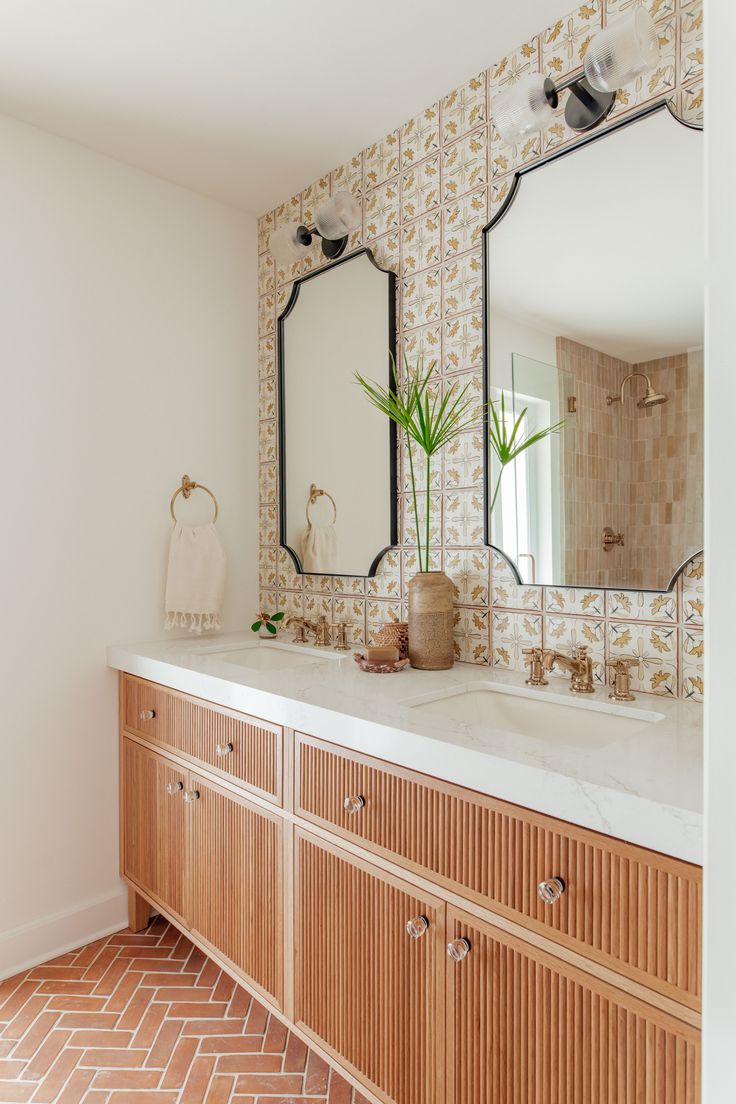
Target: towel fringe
(193, 622)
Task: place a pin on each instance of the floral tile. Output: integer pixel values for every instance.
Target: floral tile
(288, 211)
(462, 343)
(421, 298)
(410, 564)
(557, 133)
(266, 316)
(654, 647)
(508, 594)
(463, 222)
(291, 604)
(470, 634)
(420, 137)
(349, 177)
(630, 605)
(421, 242)
(352, 586)
(505, 158)
(268, 601)
(386, 583)
(692, 665)
(288, 576)
(267, 442)
(318, 584)
(463, 517)
(654, 84)
(423, 344)
(409, 535)
(265, 226)
(351, 611)
(283, 295)
(267, 397)
(464, 109)
(511, 633)
(565, 633)
(266, 273)
(575, 600)
(514, 66)
(657, 8)
(693, 592)
(267, 568)
(420, 188)
(313, 197)
(268, 524)
(564, 43)
(268, 482)
(419, 464)
(318, 605)
(468, 569)
(267, 357)
(687, 104)
(381, 160)
(382, 210)
(380, 612)
(691, 42)
(463, 462)
(500, 190)
(462, 283)
(386, 251)
(464, 164)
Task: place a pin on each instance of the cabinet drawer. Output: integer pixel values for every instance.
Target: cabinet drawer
(635, 910)
(239, 747)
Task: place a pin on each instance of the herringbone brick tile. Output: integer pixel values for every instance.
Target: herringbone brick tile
(146, 1018)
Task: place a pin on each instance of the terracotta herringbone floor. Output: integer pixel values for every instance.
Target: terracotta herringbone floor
(134, 1019)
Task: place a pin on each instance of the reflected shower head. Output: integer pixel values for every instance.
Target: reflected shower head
(651, 397)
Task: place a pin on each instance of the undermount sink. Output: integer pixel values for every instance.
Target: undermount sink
(269, 657)
(578, 723)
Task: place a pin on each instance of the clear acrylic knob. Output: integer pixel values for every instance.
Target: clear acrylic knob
(191, 796)
(146, 714)
(550, 890)
(417, 926)
(223, 749)
(174, 787)
(353, 804)
(458, 949)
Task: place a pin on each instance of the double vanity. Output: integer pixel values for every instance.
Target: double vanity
(456, 887)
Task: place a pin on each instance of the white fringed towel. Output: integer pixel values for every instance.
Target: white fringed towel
(319, 549)
(195, 583)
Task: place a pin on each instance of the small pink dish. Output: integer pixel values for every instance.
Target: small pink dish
(379, 668)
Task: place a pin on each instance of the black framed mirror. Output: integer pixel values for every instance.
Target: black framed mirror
(337, 455)
(593, 322)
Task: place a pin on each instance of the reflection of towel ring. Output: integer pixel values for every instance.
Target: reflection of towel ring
(186, 488)
(316, 492)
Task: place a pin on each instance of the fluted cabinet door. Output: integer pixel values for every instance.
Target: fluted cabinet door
(364, 987)
(525, 1028)
(235, 887)
(154, 837)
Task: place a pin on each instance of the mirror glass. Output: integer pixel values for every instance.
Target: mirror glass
(337, 453)
(594, 315)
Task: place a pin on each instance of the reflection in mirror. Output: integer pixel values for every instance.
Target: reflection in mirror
(594, 311)
(337, 459)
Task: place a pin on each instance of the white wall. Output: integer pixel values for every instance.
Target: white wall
(129, 356)
(720, 626)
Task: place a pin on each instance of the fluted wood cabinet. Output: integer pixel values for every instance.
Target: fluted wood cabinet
(393, 919)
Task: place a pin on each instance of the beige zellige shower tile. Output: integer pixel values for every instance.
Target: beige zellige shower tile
(381, 160)
(420, 137)
(349, 177)
(693, 592)
(635, 605)
(462, 283)
(469, 571)
(654, 647)
(465, 164)
(565, 633)
(382, 210)
(471, 636)
(691, 42)
(575, 600)
(420, 188)
(463, 222)
(692, 664)
(421, 242)
(511, 633)
(462, 343)
(464, 108)
(564, 44)
(511, 68)
(421, 298)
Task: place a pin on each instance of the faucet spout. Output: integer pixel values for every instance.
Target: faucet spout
(579, 666)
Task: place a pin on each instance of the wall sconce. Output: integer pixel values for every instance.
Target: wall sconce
(615, 56)
(334, 220)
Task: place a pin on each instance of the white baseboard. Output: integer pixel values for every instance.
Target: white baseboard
(45, 938)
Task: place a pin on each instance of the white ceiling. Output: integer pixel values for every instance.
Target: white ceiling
(241, 100)
(606, 245)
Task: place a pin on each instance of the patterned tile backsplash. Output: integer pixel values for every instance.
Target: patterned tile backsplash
(427, 190)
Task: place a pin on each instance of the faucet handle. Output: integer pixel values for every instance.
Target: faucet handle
(341, 643)
(536, 668)
(621, 680)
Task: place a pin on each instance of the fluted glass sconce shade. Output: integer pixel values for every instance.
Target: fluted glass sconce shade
(338, 216)
(528, 105)
(286, 245)
(623, 51)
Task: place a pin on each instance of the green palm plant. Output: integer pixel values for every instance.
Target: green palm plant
(429, 419)
(507, 443)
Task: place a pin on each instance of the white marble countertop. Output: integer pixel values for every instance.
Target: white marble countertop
(645, 787)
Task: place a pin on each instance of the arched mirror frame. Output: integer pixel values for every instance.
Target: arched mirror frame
(593, 136)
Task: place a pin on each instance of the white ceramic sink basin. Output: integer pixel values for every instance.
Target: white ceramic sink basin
(269, 657)
(581, 724)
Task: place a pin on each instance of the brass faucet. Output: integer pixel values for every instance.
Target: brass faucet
(536, 670)
(320, 629)
(579, 664)
(621, 679)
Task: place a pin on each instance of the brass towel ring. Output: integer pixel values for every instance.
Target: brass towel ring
(316, 492)
(187, 486)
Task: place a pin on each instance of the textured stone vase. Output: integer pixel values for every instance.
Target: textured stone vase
(430, 621)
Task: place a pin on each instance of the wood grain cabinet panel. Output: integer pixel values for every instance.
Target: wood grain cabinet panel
(364, 987)
(634, 910)
(235, 887)
(154, 825)
(239, 747)
(524, 1028)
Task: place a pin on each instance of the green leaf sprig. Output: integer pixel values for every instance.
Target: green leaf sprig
(508, 444)
(267, 619)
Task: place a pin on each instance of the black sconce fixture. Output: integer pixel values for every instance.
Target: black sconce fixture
(615, 56)
(334, 220)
